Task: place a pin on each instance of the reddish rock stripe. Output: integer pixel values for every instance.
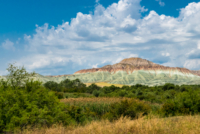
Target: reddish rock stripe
(135, 64)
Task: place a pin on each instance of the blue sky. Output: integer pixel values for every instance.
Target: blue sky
(60, 37)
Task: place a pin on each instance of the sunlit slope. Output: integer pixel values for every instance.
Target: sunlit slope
(103, 84)
(150, 78)
(142, 77)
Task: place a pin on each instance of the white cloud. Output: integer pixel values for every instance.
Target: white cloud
(143, 9)
(114, 33)
(161, 3)
(95, 66)
(165, 54)
(9, 45)
(192, 64)
(198, 45)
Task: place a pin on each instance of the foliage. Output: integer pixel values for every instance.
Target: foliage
(24, 102)
(131, 108)
(92, 88)
(184, 103)
(51, 85)
(18, 75)
(78, 95)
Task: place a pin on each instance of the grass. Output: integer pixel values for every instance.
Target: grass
(97, 100)
(172, 125)
(103, 84)
(77, 95)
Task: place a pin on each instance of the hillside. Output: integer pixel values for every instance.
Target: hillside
(131, 71)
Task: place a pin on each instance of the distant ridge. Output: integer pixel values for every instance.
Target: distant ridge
(134, 64)
(58, 75)
(131, 71)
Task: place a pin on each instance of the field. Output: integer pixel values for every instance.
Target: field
(145, 125)
(103, 84)
(100, 100)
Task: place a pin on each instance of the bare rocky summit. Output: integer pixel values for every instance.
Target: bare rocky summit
(197, 72)
(134, 64)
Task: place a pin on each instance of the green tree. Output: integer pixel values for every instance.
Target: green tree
(27, 103)
(18, 76)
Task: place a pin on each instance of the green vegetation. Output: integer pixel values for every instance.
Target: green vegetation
(28, 103)
(166, 100)
(24, 102)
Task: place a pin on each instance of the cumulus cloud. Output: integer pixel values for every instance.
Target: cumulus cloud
(9, 45)
(95, 66)
(114, 33)
(161, 3)
(193, 64)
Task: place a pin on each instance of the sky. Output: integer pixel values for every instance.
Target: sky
(54, 37)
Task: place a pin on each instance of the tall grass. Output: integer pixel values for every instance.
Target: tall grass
(94, 108)
(172, 125)
(78, 95)
(101, 105)
(84, 101)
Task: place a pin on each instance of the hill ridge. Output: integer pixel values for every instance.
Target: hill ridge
(134, 64)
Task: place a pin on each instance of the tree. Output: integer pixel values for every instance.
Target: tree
(18, 76)
(51, 85)
(92, 87)
(24, 102)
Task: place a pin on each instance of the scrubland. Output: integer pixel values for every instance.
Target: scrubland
(28, 106)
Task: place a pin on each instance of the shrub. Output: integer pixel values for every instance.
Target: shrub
(51, 85)
(28, 103)
(96, 93)
(60, 95)
(169, 108)
(184, 103)
(168, 86)
(122, 93)
(131, 108)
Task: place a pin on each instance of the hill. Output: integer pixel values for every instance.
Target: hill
(131, 71)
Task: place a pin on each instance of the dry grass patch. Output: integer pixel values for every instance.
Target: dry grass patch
(103, 84)
(173, 125)
(92, 100)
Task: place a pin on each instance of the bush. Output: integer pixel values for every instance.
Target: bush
(60, 95)
(131, 108)
(169, 109)
(28, 103)
(168, 86)
(51, 85)
(20, 108)
(92, 87)
(122, 93)
(184, 103)
(96, 93)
